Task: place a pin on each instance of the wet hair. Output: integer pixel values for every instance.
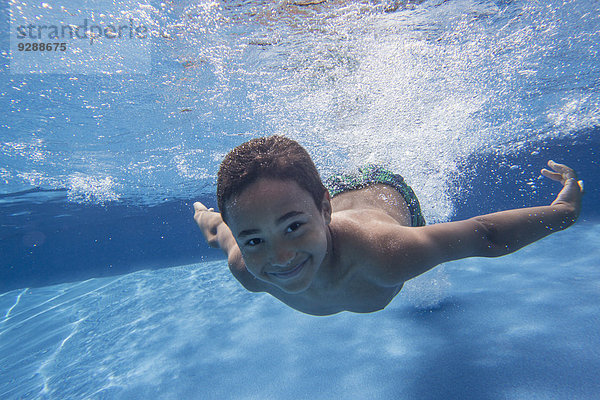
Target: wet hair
(275, 157)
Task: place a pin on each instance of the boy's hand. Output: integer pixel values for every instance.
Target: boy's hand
(208, 220)
(572, 188)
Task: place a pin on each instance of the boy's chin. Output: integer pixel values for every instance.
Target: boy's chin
(296, 287)
(294, 290)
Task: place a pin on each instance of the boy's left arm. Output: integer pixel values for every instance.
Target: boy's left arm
(218, 235)
(402, 253)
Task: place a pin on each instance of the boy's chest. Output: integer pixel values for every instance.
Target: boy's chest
(352, 294)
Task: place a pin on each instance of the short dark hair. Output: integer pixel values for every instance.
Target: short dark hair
(267, 157)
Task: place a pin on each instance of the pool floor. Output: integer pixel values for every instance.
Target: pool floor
(524, 326)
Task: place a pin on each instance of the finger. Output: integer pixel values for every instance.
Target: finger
(555, 176)
(199, 206)
(561, 168)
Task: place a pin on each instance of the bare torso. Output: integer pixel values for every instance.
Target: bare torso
(349, 289)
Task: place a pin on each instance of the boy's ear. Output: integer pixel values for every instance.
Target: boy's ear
(326, 207)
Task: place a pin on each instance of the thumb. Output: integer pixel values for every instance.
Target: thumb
(201, 207)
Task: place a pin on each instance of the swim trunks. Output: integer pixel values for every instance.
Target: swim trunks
(371, 174)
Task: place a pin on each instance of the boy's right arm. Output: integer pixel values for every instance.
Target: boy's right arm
(218, 235)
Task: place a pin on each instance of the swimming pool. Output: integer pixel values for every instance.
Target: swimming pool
(108, 290)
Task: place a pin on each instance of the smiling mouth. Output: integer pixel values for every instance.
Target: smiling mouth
(288, 274)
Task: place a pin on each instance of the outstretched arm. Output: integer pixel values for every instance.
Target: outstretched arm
(513, 229)
(408, 252)
(215, 231)
(218, 235)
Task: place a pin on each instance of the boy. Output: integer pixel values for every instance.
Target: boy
(284, 233)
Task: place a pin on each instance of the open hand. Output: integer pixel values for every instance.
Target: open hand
(562, 174)
(572, 188)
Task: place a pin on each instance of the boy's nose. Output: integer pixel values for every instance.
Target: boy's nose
(282, 257)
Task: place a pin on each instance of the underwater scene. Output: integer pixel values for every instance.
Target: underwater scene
(108, 290)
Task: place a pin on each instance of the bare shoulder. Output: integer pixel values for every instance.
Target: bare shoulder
(358, 238)
(391, 254)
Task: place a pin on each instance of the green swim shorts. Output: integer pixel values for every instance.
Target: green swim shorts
(371, 174)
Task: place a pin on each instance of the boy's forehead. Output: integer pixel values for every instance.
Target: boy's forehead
(269, 194)
(271, 190)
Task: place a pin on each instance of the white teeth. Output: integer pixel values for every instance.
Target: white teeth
(291, 271)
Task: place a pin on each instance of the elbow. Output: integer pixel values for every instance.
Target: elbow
(489, 241)
(249, 282)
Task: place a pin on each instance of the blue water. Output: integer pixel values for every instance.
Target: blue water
(108, 291)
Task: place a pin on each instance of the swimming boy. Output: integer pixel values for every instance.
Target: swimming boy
(285, 234)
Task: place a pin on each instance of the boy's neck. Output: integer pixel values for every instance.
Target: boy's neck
(326, 274)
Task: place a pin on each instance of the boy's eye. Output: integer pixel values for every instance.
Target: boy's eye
(294, 226)
(253, 242)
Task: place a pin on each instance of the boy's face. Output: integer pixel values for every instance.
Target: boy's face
(281, 233)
